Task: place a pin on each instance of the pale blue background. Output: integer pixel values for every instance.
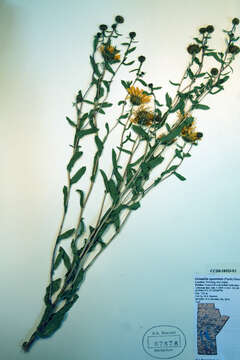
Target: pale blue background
(145, 277)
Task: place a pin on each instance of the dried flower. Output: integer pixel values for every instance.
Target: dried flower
(193, 49)
(143, 116)
(189, 134)
(137, 97)
(110, 53)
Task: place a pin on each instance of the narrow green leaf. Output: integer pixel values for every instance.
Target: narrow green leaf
(73, 160)
(223, 80)
(79, 97)
(200, 75)
(66, 234)
(99, 144)
(180, 177)
(173, 83)
(124, 116)
(72, 123)
(168, 100)
(109, 68)
(114, 158)
(115, 167)
(155, 162)
(88, 102)
(81, 194)
(105, 179)
(78, 175)
(124, 150)
(74, 248)
(122, 102)
(65, 195)
(113, 190)
(190, 73)
(58, 260)
(82, 133)
(107, 128)
(106, 104)
(65, 258)
(138, 130)
(84, 117)
(124, 84)
(100, 93)
(130, 50)
(94, 66)
(157, 102)
(107, 84)
(142, 82)
(157, 88)
(129, 63)
(78, 280)
(55, 286)
(200, 107)
(136, 162)
(81, 228)
(95, 43)
(196, 60)
(172, 168)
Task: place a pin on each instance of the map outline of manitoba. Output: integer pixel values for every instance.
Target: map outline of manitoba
(209, 324)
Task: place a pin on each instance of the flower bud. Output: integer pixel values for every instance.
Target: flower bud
(210, 29)
(141, 59)
(132, 35)
(119, 19)
(233, 49)
(193, 49)
(103, 27)
(235, 21)
(214, 71)
(202, 30)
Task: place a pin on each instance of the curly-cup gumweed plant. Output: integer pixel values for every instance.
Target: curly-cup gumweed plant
(156, 133)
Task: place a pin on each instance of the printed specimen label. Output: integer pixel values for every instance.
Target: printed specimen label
(217, 317)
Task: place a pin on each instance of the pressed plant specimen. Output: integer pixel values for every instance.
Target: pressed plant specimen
(156, 133)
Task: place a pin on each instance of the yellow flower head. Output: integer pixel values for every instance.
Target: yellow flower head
(110, 53)
(143, 116)
(137, 97)
(189, 134)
